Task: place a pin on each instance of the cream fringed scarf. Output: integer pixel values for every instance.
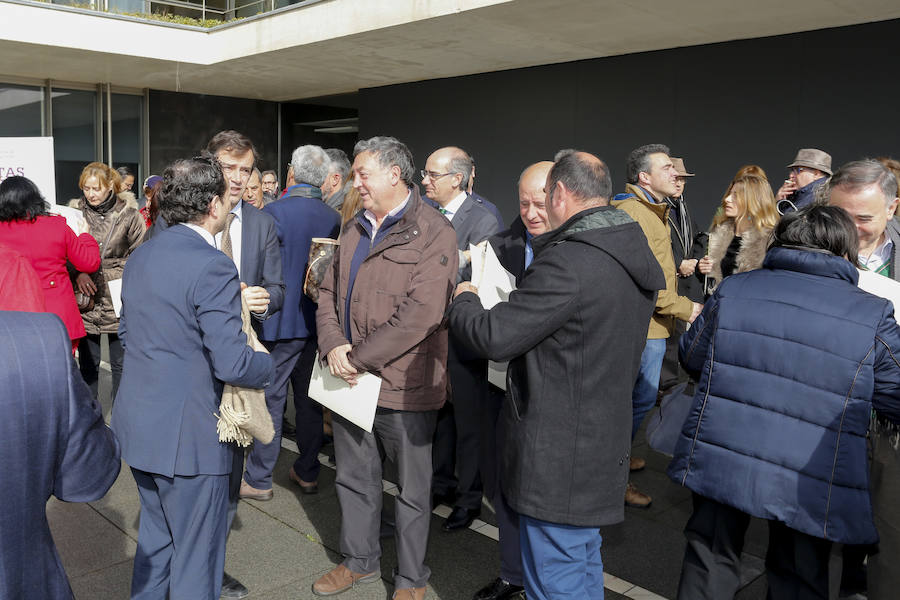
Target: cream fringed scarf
(243, 414)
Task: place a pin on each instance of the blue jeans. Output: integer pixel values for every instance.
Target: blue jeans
(560, 562)
(643, 396)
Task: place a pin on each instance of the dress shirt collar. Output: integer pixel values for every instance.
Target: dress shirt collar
(370, 216)
(452, 207)
(207, 236)
(879, 256)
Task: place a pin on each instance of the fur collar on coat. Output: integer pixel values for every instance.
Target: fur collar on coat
(750, 255)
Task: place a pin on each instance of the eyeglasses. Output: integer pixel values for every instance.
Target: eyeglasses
(432, 175)
(800, 169)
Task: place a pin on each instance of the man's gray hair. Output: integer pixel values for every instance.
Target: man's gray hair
(389, 152)
(310, 165)
(639, 161)
(339, 162)
(461, 163)
(863, 173)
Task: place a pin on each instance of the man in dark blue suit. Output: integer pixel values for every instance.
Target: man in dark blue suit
(68, 451)
(181, 329)
(290, 335)
(250, 240)
(456, 450)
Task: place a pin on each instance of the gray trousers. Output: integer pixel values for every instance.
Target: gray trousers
(404, 438)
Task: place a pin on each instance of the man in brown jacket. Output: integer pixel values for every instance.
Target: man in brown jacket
(381, 309)
(651, 178)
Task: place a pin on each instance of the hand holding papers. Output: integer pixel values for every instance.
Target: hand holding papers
(882, 286)
(357, 404)
(494, 284)
(74, 219)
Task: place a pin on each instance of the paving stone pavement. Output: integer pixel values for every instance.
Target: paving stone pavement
(280, 547)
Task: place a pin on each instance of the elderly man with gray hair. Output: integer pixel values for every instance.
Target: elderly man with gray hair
(381, 310)
(290, 335)
(333, 189)
(867, 191)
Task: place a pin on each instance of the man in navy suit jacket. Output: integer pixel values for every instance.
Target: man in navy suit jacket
(54, 442)
(290, 335)
(181, 329)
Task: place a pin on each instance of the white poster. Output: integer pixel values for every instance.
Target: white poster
(30, 157)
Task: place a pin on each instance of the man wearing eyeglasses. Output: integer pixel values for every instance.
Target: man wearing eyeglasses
(456, 452)
(810, 169)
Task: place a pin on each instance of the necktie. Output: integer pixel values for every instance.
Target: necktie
(445, 212)
(226, 236)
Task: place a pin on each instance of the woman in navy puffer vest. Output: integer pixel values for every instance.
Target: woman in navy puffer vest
(790, 358)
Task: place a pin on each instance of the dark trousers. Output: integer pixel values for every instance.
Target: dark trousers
(181, 539)
(293, 361)
(672, 374)
(493, 440)
(796, 563)
(457, 438)
(404, 438)
(884, 577)
(89, 362)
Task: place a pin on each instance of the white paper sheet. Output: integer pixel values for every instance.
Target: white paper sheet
(497, 374)
(494, 284)
(74, 219)
(115, 293)
(882, 286)
(357, 404)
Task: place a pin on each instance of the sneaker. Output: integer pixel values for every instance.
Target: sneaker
(637, 464)
(340, 579)
(636, 498)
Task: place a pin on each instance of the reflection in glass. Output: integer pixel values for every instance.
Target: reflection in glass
(74, 144)
(21, 110)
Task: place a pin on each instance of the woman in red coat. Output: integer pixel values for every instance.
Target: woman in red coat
(47, 242)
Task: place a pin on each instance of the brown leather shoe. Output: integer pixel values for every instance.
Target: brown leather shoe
(409, 594)
(340, 579)
(637, 463)
(251, 493)
(306, 487)
(636, 498)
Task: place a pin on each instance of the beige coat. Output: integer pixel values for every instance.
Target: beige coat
(653, 219)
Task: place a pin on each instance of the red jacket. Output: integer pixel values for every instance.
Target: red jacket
(20, 288)
(48, 243)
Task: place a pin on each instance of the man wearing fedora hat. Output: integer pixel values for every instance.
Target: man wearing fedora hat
(810, 169)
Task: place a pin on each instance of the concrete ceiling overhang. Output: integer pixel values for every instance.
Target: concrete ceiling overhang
(336, 46)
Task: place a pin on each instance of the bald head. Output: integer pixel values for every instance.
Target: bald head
(532, 199)
(447, 173)
(577, 181)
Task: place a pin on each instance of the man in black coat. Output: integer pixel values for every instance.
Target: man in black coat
(514, 251)
(574, 332)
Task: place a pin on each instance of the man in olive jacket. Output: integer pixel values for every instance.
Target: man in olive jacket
(381, 308)
(652, 178)
(573, 331)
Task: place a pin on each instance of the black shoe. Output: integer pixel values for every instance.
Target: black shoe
(232, 588)
(439, 498)
(460, 518)
(499, 589)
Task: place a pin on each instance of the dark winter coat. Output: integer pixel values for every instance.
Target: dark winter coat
(791, 358)
(574, 331)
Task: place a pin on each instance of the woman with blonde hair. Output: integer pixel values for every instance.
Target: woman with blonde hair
(118, 230)
(740, 232)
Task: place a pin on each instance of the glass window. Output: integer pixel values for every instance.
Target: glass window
(126, 133)
(21, 110)
(74, 138)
